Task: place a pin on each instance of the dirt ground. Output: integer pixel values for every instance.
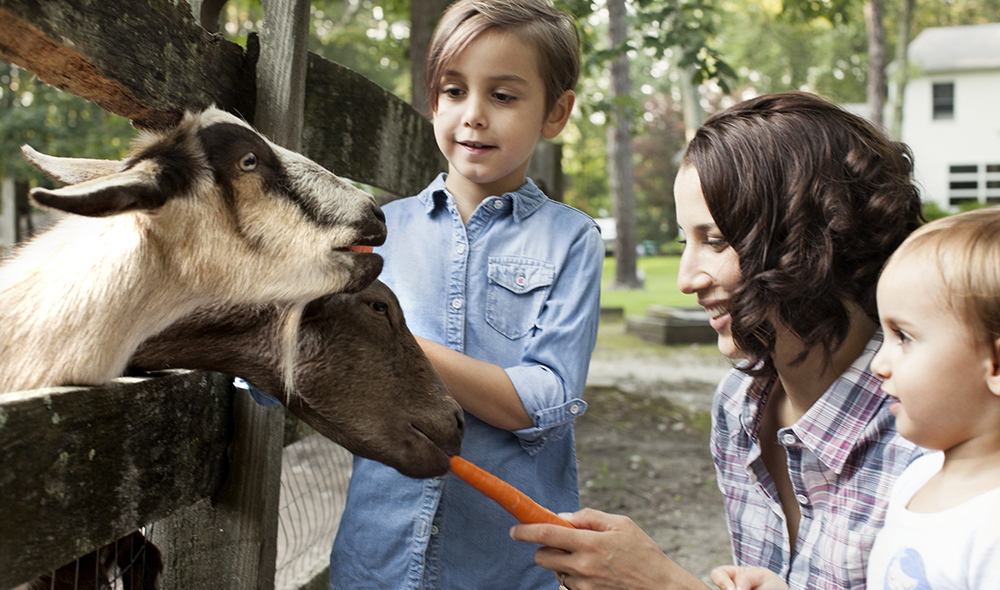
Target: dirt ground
(642, 445)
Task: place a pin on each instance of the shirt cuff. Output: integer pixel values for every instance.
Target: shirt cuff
(551, 416)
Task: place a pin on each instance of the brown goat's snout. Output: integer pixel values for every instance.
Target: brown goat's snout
(377, 212)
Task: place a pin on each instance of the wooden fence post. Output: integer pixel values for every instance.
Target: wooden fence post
(227, 541)
(249, 499)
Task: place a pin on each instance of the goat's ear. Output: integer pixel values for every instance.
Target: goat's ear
(135, 188)
(69, 170)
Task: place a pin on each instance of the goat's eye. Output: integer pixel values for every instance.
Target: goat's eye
(248, 162)
(380, 307)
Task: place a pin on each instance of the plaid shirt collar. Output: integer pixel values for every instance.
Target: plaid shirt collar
(847, 409)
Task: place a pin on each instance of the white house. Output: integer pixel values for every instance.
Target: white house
(951, 116)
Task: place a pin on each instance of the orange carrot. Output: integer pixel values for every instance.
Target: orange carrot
(523, 508)
(360, 248)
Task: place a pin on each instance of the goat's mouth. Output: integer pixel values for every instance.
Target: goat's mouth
(362, 246)
(435, 459)
(446, 447)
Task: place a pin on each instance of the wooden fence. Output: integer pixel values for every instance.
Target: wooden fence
(81, 467)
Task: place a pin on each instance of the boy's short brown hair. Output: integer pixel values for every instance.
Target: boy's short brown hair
(967, 252)
(552, 32)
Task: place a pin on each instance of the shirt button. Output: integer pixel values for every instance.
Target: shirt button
(498, 204)
(456, 303)
(434, 530)
(460, 249)
(802, 499)
(788, 438)
(520, 280)
(574, 409)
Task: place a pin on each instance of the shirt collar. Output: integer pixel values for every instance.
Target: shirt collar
(836, 424)
(526, 200)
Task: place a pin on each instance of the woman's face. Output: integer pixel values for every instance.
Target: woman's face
(709, 267)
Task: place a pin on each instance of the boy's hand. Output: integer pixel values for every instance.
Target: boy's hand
(731, 577)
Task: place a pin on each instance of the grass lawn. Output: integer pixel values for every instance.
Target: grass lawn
(660, 287)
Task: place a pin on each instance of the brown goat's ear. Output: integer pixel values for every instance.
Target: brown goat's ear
(135, 188)
(69, 170)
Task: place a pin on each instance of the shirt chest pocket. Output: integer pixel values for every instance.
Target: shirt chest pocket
(516, 292)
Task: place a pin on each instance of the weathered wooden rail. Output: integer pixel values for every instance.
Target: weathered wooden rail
(85, 466)
(149, 60)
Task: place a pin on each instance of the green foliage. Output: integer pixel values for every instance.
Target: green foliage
(52, 122)
(585, 166)
(933, 211)
(956, 12)
(687, 28)
(775, 52)
(369, 37)
(657, 155)
(660, 287)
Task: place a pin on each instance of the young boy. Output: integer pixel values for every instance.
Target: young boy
(939, 306)
(502, 288)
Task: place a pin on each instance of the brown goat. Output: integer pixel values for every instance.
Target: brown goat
(361, 379)
(209, 211)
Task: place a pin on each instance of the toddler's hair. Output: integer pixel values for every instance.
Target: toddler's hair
(537, 22)
(813, 199)
(966, 247)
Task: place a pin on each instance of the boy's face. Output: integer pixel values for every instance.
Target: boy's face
(491, 113)
(931, 361)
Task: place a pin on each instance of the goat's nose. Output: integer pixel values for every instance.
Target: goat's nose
(377, 212)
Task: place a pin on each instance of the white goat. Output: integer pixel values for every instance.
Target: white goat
(210, 211)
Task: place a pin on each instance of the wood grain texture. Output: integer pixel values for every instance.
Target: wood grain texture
(82, 467)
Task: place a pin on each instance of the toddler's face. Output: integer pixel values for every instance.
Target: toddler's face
(490, 114)
(931, 361)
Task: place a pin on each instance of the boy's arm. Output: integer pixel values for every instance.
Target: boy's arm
(483, 389)
(554, 362)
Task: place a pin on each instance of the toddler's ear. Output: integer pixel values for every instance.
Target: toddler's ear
(993, 379)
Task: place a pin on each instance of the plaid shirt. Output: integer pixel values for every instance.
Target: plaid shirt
(844, 455)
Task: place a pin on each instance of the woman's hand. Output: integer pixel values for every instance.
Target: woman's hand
(731, 577)
(604, 552)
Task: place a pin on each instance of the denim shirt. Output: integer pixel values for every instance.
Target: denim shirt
(518, 286)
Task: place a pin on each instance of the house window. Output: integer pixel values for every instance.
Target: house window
(993, 184)
(944, 100)
(963, 184)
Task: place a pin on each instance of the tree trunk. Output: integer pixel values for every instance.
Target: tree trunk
(903, 70)
(620, 156)
(693, 115)
(424, 16)
(876, 60)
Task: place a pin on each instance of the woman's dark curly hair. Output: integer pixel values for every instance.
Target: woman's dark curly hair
(814, 200)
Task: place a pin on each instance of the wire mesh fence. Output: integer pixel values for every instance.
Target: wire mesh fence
(314, 477)
(131, 563)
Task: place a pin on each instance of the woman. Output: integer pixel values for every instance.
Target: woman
(789, 206)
